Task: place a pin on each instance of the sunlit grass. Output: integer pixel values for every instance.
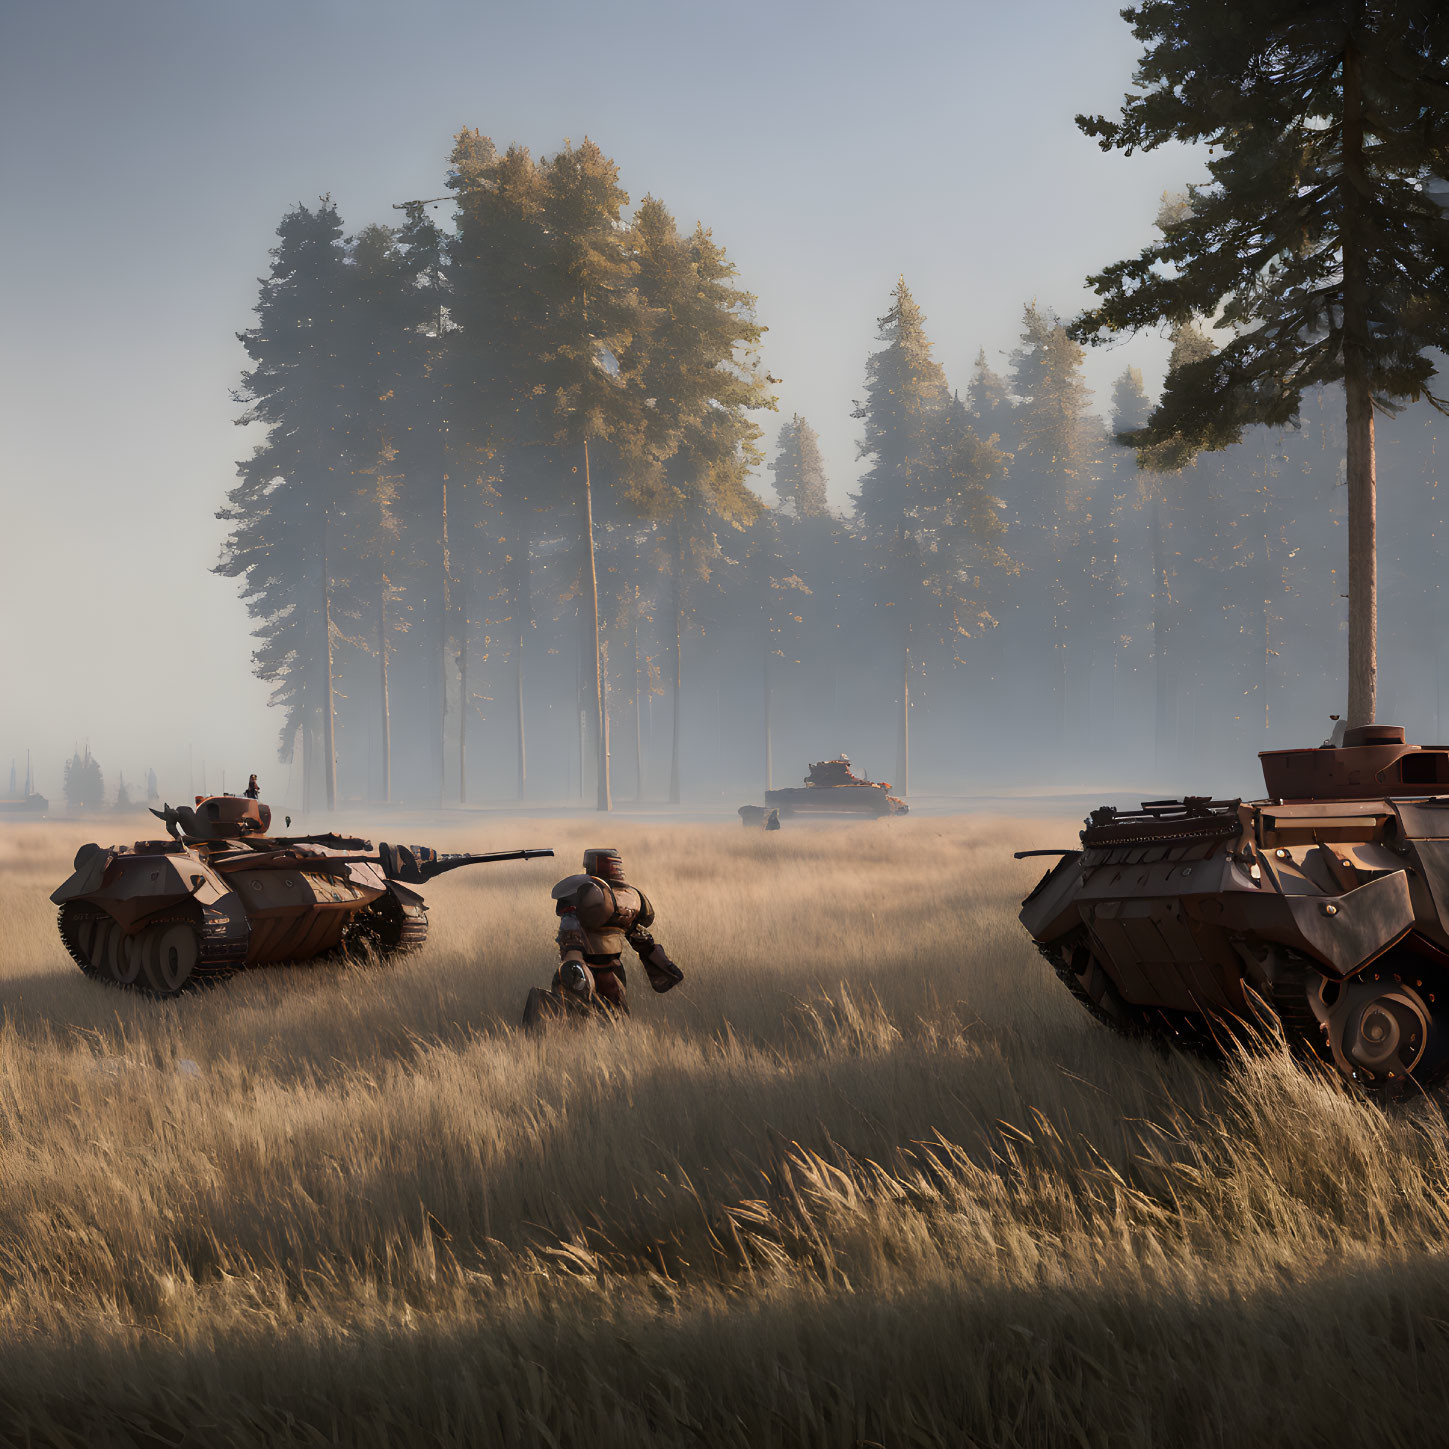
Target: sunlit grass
(869, 1176)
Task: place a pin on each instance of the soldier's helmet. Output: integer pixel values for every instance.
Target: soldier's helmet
(605, 864)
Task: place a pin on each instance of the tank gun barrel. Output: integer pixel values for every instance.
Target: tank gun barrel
(415, 864)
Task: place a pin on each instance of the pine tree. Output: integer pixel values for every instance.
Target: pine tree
(1063, 519)
(1317, 246)
(382, 352)
(965, 562)
(988, 401)
(84, 787)
(697, 371)
(497, 278)
(422, 466)
(282, 514)
(905, 396)
(590, 324)
(922, 501)
(799, 469)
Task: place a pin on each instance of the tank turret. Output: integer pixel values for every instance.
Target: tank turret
(219, 893)
(1326, 902)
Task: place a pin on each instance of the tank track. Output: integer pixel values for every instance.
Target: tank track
(219, 953)
(1162, 1028)
(1288, 997)
(386, 928)
(1122, 1023)
(66, 940)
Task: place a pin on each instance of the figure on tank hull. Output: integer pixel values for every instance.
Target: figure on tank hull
(220, 893)
(1328, 900)
(598, 913)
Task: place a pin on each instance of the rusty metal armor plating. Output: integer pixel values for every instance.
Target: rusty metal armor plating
(599, 913)
(220, 893)
(1328, 902)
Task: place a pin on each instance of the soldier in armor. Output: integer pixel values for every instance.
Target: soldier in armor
(598, 912)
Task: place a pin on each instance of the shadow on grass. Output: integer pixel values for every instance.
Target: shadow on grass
(1342, 1358)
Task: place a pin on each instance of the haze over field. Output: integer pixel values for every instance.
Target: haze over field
(854, 480)
(149, 150)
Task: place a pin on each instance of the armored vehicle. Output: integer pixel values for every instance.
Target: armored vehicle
(220, 893)
(832, 788)
(1328, 902)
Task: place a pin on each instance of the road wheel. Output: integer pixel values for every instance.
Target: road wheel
(169, 957)
(123, 960)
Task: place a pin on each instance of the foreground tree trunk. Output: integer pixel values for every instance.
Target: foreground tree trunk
(1363, 603)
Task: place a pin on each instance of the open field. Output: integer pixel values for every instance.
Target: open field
(869, 1176)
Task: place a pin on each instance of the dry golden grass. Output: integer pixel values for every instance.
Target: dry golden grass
(869, 1176)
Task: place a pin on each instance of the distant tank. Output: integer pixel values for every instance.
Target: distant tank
(1328, 902)
(832, 788)
(221, 893)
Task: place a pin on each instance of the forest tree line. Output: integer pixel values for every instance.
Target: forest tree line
(502, 535)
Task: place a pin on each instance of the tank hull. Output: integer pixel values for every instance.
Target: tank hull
(834, 800)
(161, 915)
(1329, 918)
(121, 910)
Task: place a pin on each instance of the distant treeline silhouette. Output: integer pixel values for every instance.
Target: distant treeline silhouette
(500, 536)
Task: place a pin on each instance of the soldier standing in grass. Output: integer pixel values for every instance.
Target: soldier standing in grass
(598, 912)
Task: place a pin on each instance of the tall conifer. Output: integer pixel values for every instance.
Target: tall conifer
(283, 511)
(1318, 246)
(697, 372)
(591, 322)
(799, 469)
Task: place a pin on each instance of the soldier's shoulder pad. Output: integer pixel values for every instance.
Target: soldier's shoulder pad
(572, 887)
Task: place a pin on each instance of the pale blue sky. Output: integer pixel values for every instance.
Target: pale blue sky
(149, 147)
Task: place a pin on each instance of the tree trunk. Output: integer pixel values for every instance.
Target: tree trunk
(769, 722)
(1267, 656)
(903, 741)
(677, 608)
(580, 716)
(1363, 607)
(382, 649)
(463, 696)
(442, 654)
(522, 604)
(638, 713)
(329, 723)
(1161, 625)
(596, 673)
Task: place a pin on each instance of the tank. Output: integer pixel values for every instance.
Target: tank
(220, 893)
(1322, 909)
(832, 788)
